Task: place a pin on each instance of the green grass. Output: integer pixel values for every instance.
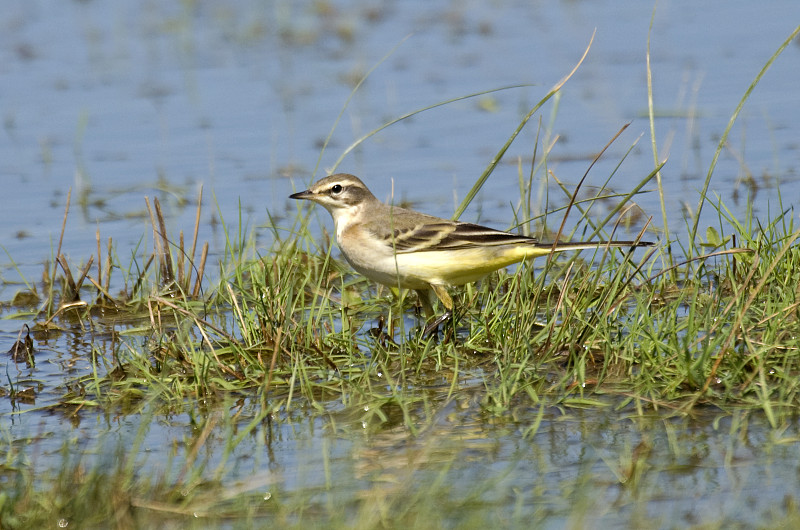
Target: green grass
(291, 332)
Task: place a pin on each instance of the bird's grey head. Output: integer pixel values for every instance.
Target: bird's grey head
(340, 191)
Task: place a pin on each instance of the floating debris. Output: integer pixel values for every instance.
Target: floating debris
(22, 350)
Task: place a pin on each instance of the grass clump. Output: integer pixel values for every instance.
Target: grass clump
(292, 323)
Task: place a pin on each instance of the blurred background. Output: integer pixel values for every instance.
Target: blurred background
(118, 101)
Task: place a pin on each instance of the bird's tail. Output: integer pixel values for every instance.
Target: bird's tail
(560, 247)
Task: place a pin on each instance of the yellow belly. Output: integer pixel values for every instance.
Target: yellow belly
(417, 270)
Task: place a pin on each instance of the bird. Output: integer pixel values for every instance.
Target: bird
(406, 249)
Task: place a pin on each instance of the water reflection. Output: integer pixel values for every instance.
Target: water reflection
(552, 464)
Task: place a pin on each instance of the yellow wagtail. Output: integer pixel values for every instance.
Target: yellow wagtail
(410, 250)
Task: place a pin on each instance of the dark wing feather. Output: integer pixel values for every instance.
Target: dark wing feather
(446, 235)
(467, 235)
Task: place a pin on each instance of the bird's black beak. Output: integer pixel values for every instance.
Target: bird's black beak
(307, 194)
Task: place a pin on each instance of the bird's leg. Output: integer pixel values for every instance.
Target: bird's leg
(444, 297)
(425, 302)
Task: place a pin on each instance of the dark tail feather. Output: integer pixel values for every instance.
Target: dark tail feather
(595, 244)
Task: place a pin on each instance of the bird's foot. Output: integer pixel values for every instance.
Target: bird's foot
(433, 327)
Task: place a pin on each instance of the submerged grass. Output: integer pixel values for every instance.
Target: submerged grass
(290, 328)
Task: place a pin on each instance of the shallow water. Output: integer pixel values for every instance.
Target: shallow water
(117, 102)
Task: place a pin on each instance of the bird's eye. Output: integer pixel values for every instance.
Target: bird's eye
(336, 188)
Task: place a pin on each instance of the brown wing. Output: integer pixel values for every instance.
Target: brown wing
(448, 235)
